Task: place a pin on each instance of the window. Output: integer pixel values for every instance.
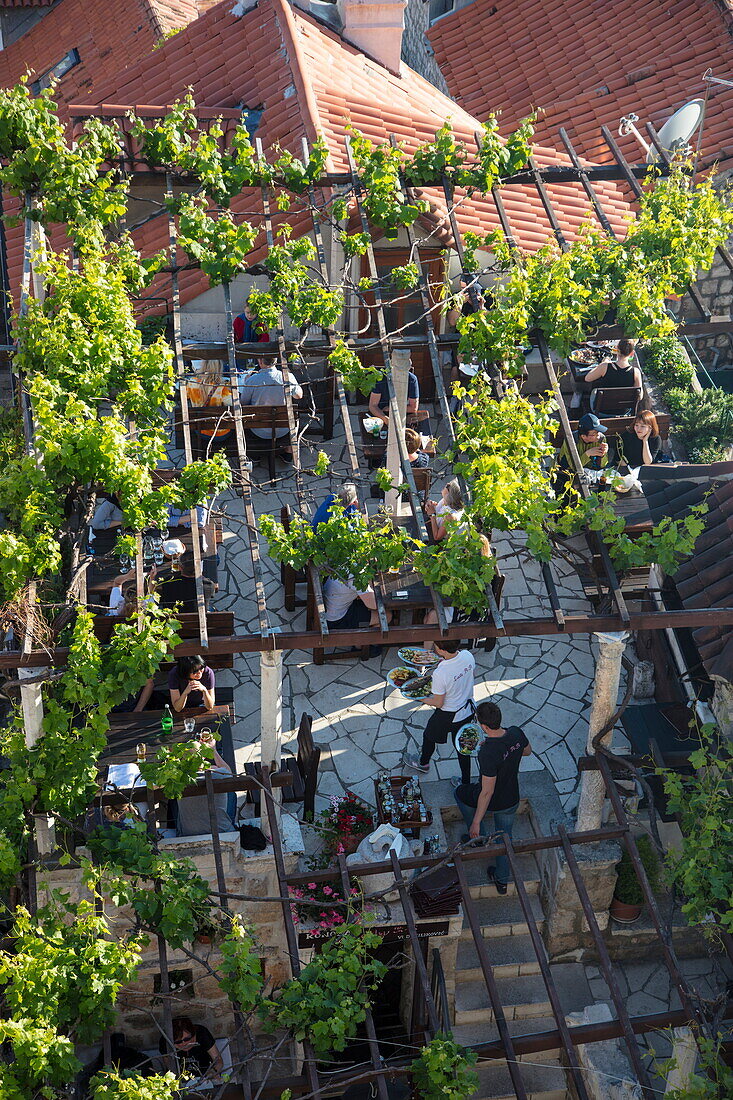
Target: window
(61, 68)
(439, 7)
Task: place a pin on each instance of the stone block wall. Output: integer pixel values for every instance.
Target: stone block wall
(251, 874)
(416, 49)
(566, 929)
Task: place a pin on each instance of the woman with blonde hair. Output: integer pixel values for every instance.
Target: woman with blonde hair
(209, 391)
(451, 504)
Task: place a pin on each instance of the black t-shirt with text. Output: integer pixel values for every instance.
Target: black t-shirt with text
(500, 757)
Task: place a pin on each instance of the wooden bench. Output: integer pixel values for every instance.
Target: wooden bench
(220, 624)
(272, 419)
(617, 425)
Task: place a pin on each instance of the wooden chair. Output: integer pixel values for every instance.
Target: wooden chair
(289, 576)
(619, 401)
(272, 419)
(303, 768)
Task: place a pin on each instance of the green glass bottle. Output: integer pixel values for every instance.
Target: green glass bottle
(166, 721)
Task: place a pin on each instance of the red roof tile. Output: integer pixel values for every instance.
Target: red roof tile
(309, 81)
(500, 55)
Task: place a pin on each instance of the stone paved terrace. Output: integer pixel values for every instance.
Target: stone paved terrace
(543, 684)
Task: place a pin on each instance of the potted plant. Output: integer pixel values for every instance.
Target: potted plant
(628, 898)
(210, 928)
(345, 822)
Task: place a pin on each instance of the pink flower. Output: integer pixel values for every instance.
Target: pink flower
(311, 885)
(327, 890)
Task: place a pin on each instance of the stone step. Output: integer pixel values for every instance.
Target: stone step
(525, 996)
(542, 1082)
(509, 958)
(471, 1035)
(503, 916)
(477, 878)
(520, 997)
(455, 827)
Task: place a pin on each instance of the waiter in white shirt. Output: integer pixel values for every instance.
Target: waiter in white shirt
(453, 701)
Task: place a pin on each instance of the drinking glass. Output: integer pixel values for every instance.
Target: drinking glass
(189, 724)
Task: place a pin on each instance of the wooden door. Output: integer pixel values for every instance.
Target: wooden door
(403, 310)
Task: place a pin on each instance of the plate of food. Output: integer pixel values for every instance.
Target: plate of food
(418, 688)
(420, 658)
(399, 676)
(585, 356)
(469, 739)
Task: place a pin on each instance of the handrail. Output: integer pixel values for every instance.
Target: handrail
(440, 993)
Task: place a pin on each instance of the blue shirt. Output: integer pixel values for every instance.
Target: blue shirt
(382, 388)
(266, 387)
(323, 511)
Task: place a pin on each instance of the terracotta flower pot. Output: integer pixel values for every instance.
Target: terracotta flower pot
(624, 913)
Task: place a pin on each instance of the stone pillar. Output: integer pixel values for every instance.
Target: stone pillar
(31, 700)
(684, 1053)
(400, 370)
(271, 718)
(603, 706)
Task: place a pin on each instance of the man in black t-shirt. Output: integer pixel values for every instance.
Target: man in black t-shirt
(497, 791)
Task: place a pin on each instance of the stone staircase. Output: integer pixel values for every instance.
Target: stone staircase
(518, 977)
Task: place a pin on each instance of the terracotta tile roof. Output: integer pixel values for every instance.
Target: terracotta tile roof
(108, 36)
(26, 3)
(308, 81)
(588, 63)
(174, 14)
(705, 580)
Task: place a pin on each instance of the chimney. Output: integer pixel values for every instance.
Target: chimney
(375, 26)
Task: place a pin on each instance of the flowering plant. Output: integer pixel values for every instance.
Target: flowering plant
(346, 816)
(326, 914)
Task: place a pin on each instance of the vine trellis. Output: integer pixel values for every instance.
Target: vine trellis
(107, 434)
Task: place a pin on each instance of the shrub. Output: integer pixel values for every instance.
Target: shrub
(628, 888)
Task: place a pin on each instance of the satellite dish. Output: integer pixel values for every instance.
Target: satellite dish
(677, 130)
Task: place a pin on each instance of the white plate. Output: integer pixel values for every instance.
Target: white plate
(391, 682)
(430, 660)
(479, 743)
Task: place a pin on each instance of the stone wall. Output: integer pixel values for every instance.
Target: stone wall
(252, 874)
(416, 50)
(722, 706)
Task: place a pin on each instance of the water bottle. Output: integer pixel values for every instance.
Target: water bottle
(166, 721)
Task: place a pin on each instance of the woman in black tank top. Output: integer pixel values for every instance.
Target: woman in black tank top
(619, 374)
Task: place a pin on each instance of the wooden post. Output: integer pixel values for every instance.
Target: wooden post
(400, 370)
(603, 706)
(271, 717)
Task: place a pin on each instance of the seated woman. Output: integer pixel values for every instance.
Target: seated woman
(641, 446)
(346, 497)
(619, 374)
(192, 684)
(418, 457)
(450, 504)
(209, 391)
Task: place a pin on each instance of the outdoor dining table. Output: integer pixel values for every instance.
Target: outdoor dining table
(129, 728)
(375, 446)
(634, 509)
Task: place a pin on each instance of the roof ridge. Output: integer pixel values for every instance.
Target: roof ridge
(299, 70)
